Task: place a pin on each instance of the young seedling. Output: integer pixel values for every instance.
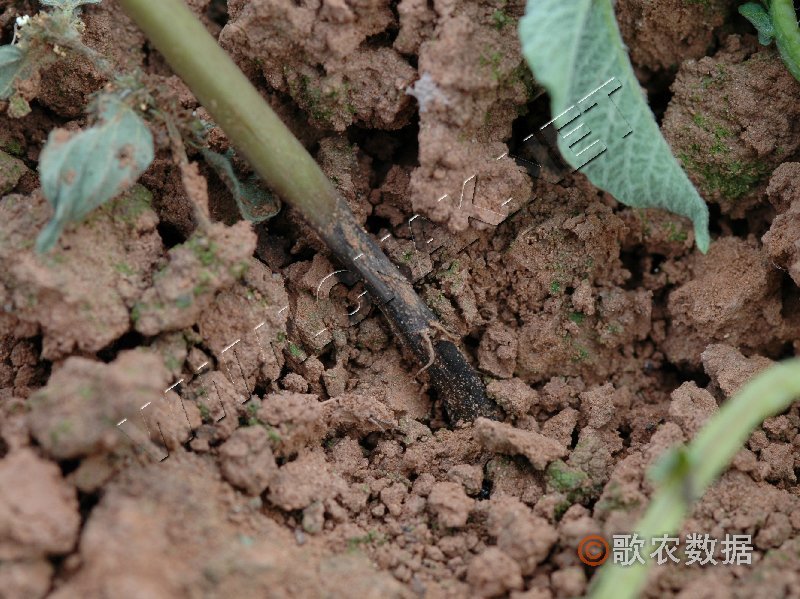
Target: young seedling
(684, 473)
(38, 42)
(281, 160)
(777, 20)
(79, 170)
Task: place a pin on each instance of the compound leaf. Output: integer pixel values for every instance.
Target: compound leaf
(575, 50)
(81, 171)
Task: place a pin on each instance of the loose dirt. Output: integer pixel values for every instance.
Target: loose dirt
(183, 414)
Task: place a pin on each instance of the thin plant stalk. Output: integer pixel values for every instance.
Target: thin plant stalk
(787, 33)
(285, 165)
(687, 472)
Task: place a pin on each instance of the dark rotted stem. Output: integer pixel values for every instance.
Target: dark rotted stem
(281, 160)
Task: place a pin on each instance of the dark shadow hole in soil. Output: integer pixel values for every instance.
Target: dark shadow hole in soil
(3, 448)
(486, 490)
(790, 299)
(384, 39)
(471, 343)
(370, 442)
(304, 254)
(272, 249)
(760, 220)
(69, 466)
(625, 435)
(375, 224)
(217, 12)
(656, 262)
(786, 351)
(328, 356)
(647, 264)
(723, 225)
(387, 148)
(634, 261)
(57, 561)
(714, 219)
(260, 390)
(674, 376)
(129, 340)
(574, 438)
(44, 367)
(658, 92)
(739, 227)
(87, 502)
(169, 234)
(537, 115)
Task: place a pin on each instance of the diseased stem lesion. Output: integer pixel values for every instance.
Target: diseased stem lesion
(285, 165)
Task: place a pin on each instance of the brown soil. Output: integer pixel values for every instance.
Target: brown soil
(257, 456)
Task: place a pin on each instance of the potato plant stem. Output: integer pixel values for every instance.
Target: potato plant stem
(787, 33)
(281, 160)
(703, 460)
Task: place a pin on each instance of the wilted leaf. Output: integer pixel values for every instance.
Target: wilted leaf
(81, 171)
(575, 50)
(255, 204)
(12, 65)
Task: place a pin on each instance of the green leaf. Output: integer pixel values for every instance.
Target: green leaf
(68, 4)
(759, 17)
(575, 50)
(81, 171)
(255, 204)
(12, 65)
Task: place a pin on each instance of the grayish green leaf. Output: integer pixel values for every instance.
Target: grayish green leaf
(575, 50)
(68, 4)
(81, 171)
(255, 204)
(759, 17)
(12, 66)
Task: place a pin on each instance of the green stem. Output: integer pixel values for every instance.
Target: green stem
(237, 107)
(281, 160)
(705, 458)
(787, 34)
